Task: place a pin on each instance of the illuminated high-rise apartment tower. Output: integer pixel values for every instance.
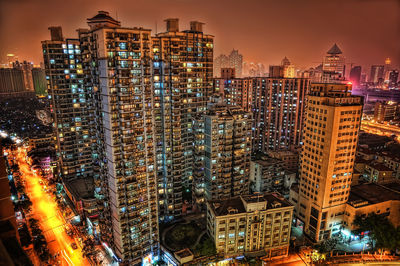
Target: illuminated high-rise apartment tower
(330, 137)
(278, 107)
(118, 74)
(68, 105)
(277, 104)
(224, 152)
(183, 72)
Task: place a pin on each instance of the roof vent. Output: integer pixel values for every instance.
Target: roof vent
(276, 204)
(232, 210)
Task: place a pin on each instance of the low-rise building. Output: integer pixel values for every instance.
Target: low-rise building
(250, 225)
(43, 141)
(290, 158)
(184, 256)
(383, 199)
(268, 174)
(392, 161)
(372, 169)
(81, 192)
(377, 172)
(385, 111)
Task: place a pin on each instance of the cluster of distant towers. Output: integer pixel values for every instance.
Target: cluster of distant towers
(332, 67)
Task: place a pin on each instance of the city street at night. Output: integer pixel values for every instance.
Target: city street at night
(380, 129)
(44, 208)
(205, 132)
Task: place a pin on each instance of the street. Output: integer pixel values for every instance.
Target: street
(380, 129)
(44, 208)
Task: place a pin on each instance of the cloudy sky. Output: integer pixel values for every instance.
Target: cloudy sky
(264, 31)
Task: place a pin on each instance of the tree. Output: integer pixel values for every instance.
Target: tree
(205, 247)
(381, 231)
(15, 167)
(6, 142)
(327, 245)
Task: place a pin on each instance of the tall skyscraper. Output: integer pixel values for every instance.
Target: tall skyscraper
(39, 81)
(235, 91)
(278, 107)
(225, 162)
(376, 76)
(288, 68)
(26, 68)
(116, 61)
(275, 71)
(387, 70)
(393, 77)
(11, 81)
(331, 129)
(334, 64)
(236, 62)
(233, 60)
(183, 72)
(355, 76)
(68, 105)
(221, 61)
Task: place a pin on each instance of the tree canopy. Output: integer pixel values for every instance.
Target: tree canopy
(383, 233)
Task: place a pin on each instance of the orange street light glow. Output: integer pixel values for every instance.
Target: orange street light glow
(45, 209)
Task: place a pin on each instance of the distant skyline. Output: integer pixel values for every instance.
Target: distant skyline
(265, 31)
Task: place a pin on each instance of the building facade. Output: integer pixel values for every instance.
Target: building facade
(233, 60)
(393, 77)
(334, 64)
(235, 91)
(385, 111)
(268, 174)
(381, 199)
(116, 61)
(222, 170)
(183, 71)
(327, 158)
(278, 107)
(289, 158)
(39, 81)
(355, 76)
(26, 68)
(251, 224)
(377, 74)
(68, 105)
(11, 81)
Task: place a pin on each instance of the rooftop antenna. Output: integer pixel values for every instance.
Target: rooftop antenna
(156, 27)
(116, 15)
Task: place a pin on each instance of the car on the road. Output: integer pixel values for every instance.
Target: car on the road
(74, 245)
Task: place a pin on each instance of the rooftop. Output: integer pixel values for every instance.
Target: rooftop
(103, 17)
(379, 166)
(81, 188)
(237, 204)
(267, 161)
(334, 50)
(373, 193)
(183, 253)
(362, 160)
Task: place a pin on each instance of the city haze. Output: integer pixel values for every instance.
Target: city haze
(367, 31)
